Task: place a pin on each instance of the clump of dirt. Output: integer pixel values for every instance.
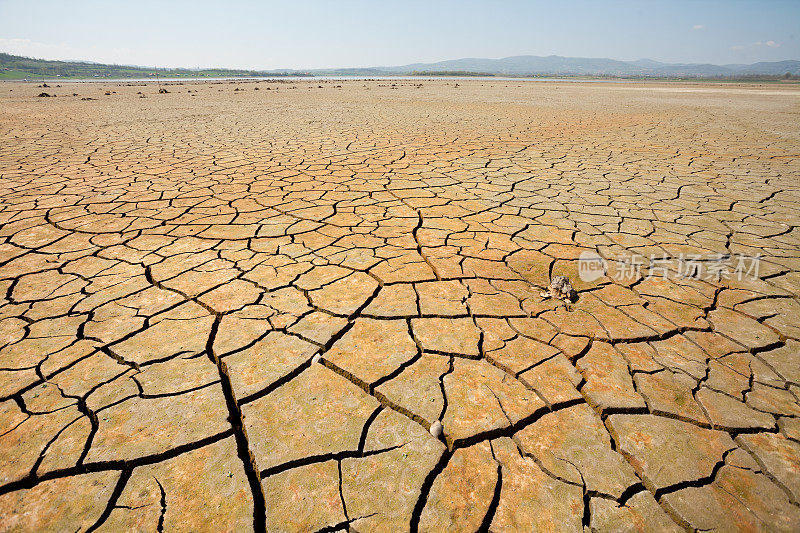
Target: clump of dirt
(44, 95)
(561, 289)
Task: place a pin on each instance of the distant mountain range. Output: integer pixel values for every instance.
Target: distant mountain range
(14, 67)
(582, 66)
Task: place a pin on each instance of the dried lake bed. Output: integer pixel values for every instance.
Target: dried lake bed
(322, 305)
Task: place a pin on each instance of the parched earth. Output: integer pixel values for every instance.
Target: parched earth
(252, 305)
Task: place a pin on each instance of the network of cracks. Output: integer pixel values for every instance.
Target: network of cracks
(263, 335)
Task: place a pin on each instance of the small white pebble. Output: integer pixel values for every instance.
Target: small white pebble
(436, 429)
(317, 358)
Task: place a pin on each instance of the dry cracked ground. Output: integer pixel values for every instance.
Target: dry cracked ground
(243, 306)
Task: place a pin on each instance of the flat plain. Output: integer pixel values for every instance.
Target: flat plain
(244, 305)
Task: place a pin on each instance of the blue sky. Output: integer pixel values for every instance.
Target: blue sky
(317, 34)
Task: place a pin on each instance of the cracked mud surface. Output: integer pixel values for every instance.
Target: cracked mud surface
(247, 308)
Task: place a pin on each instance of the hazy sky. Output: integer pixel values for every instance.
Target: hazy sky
(317, 34)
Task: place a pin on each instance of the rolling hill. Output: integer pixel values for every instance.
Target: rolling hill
(17, 67)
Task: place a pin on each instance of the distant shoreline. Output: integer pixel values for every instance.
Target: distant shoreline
(519, 67)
